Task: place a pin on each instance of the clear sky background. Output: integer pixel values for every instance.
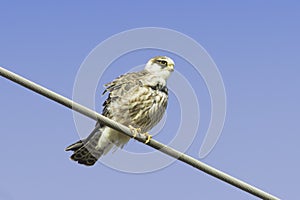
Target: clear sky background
(255, 45)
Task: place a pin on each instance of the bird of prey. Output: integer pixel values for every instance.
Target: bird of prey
(137, 100)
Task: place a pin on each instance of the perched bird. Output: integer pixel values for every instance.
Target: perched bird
(137, 100)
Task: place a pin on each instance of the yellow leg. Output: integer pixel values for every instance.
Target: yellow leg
(148, 137)
(134, 131)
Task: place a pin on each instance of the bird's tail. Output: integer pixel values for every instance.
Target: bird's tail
(88, 151)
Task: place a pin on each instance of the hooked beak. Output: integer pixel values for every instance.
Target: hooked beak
(171, 67)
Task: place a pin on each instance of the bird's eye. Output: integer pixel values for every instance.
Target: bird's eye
(163, 62)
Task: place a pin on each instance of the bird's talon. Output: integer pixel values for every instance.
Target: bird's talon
(134, 131)
(148, 138)
(137, 131)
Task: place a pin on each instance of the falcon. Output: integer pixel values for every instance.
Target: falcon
(137, 100)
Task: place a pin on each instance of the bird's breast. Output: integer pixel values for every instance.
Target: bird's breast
(149, 109)
(143, 108)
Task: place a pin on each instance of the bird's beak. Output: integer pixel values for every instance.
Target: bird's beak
(171, 67)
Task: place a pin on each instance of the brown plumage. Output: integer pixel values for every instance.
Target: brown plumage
(137, 99)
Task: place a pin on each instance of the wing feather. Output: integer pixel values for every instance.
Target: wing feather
(132, 100)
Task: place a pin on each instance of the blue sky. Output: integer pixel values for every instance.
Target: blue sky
(255, 46)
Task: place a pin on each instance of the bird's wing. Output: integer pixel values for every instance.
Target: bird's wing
(136, 99)
(120, 92)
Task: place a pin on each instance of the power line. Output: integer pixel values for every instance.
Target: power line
(125, 130)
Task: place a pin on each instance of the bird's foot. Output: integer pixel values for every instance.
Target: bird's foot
(137, 133)
(148, 137)
(134, 131)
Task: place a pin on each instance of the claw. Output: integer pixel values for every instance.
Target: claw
(137, 131)
(134, 131)
(148, 138)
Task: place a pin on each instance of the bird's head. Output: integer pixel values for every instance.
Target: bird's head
(161, 66)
